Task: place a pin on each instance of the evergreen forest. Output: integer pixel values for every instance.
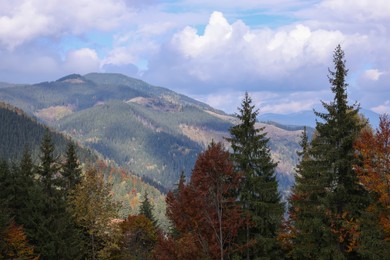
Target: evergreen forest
(61, 199)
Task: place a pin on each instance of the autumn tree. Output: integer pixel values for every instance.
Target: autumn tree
(92, 206)
(373, 172)
(14, 243)
(206, 209)
(138, 238)
(258, 190)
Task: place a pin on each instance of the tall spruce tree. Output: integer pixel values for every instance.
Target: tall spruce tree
(258, 193)
(50, 226)
(49, 166)
(328, 196)
(71, 170)
(147, 208)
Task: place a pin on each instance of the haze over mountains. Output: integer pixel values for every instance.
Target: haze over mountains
(308, 118)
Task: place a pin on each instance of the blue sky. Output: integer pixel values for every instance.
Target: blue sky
(214, 51)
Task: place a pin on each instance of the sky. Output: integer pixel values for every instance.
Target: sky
(277, 50)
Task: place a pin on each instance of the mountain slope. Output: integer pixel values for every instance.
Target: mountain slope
(150, 130)
(18, 130)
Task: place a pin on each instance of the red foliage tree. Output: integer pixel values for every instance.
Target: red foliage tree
(206, 208)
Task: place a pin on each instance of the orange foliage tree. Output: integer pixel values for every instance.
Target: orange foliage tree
(138, 238)
(15, 244)
(374, 170)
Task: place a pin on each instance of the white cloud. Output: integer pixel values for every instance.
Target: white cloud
(266, 102)
(232, 54)
(82, 61)
(383, 108)
(29, 19)
(373, 74)
(358, 10)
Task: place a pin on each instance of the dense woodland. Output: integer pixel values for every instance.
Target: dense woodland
(229, 208)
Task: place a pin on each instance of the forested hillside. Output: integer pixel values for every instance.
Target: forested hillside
(20, 132)
(149, 130)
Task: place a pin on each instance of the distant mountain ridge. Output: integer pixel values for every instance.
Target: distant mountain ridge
(150, 130)
(308, 118)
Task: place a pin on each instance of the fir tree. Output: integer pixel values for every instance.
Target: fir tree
(147, 208)
(258, 192)
(328, 197)
(49, 166)
(71, 171)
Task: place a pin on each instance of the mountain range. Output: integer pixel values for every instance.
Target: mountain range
(152, 131)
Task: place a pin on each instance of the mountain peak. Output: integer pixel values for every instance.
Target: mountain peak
(72, 78)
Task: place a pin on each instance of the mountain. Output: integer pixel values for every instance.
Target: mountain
(18, 131)
(152, 131)
(308, 118)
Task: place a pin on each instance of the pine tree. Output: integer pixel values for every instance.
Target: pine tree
(48, 225)
(71, 171)
(147, 208)
(288, 231)
(258, 192)
(49, 166)
(328, 196)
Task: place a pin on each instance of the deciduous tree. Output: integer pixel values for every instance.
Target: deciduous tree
(92, 207)
(206, 209)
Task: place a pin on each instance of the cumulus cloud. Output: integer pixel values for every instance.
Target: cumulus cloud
(82, 61)
(28, 19)
(179, 45)
(229, 54)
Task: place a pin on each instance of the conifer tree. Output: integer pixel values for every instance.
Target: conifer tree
(147, 208)
(258, 191)
(328, 196)
(49, 166)
(71, 171)
(49, 226)
(288, 231)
